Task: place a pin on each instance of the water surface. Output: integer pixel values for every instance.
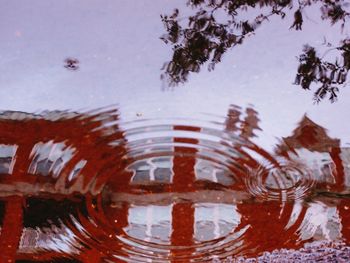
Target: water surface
(166, 190)
(238, 161)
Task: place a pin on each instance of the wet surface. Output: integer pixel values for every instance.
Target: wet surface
(175, 172)
(165, 190)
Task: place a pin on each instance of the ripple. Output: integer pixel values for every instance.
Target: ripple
(153, 189)
(183, 165)
(285, 181)
(178, 166)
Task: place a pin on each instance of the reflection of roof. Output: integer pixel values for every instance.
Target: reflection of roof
(19, 115)
(309, 135)
(59, 143)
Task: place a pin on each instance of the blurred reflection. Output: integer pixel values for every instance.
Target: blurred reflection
(214, 27)
(76, 187)
(71, 63)
(311, 140)
(49, 162)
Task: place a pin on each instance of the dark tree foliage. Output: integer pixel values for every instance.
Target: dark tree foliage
(201, 39)
(329, 76)
(71, 63)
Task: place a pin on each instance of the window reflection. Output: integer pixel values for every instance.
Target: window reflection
(49, 158)
(7, 160)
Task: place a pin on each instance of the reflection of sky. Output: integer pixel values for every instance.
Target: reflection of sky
(118, 45)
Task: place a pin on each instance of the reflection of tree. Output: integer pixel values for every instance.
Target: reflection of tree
(204, 39)
(71, 63)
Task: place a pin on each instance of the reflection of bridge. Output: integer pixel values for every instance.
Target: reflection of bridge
(60, 158)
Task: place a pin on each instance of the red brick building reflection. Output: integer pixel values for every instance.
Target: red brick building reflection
(314, 138)
(333, 175)
(82, 132)
(263, 223)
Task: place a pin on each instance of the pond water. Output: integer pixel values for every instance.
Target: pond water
(102, 160)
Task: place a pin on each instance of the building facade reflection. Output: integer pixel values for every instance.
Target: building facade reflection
(179, 195)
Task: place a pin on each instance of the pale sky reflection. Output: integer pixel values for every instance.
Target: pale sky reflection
(120, 54)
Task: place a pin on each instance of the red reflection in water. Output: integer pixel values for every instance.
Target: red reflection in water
(78, 131)
(183, 213)
(12, 228)
(344, 214)
(309, 135)
(264, 223)
(268, 230)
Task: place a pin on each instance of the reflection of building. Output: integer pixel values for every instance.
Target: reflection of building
(330, 166)
(192, 186)
(159, 170)
(180, 222)
(41, 156)
(154, 223)
(309, 135)
(321, 222)
(183, 198)
(7, 153)
(311, 145)
(153, 170)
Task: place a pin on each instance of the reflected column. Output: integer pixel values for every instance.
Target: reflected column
(184, 177)
(339, 169)
(12, 227)
(344, 215)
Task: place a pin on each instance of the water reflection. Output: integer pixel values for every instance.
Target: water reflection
(214, 27)
(71, 63)
(90, 188)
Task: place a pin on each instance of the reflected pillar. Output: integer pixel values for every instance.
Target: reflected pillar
(11, 229)
(344, 215)
(13, 215)
(339, 167)
(184, 177)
